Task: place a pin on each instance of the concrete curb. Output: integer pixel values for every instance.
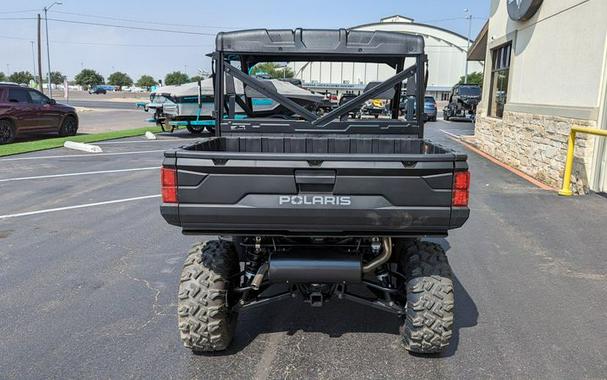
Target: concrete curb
(150, 136)
(82, 147)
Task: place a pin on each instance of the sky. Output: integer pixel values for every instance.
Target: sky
(106, 49)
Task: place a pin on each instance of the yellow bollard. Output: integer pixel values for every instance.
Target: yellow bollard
(566, 189)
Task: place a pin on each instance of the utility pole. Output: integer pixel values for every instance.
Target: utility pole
(39, 55)
(48, 52)
(469, 17)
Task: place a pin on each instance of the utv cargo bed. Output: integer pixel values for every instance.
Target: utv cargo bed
(288, 185)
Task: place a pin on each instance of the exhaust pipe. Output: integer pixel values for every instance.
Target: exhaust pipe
(382, 258)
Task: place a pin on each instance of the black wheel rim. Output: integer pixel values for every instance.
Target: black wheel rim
(6, 133)
(69, 127)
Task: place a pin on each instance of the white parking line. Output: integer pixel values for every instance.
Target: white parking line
(78, 206)
(78, 174)
(81, 155)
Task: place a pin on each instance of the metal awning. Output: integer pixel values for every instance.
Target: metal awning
(478, 49)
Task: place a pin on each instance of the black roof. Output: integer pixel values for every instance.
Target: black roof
(320, 44)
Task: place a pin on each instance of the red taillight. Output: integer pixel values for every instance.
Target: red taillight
(168, 178)
(461, 189)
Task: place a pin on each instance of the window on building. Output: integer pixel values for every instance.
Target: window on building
(500, 71)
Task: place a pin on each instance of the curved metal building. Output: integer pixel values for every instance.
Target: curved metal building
(446, 52)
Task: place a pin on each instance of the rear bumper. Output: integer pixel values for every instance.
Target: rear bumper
(430, 113)
(239, 220)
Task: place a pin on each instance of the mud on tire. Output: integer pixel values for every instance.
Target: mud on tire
(428, 323)
(205, 307)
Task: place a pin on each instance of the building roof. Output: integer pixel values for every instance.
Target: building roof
(408, 25)
(408, 22)
(396, 18)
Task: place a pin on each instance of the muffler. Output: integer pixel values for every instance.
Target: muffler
(322, 265)
(315, 266)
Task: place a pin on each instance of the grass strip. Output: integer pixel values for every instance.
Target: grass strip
(57, 142)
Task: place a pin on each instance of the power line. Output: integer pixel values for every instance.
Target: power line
(133, 27)
(24, 11)
(16, 38)
(17, 18)
(142, 21)
(111, 44)
(128, 45)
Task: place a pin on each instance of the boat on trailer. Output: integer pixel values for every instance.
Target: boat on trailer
(192, 104)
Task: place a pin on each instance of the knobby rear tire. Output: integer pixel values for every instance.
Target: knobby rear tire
(428, 323)
(206, 315)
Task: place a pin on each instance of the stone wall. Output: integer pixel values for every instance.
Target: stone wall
(537, 145)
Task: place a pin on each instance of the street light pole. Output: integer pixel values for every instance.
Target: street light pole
(48, 53)
(33, 58)
(469, 17)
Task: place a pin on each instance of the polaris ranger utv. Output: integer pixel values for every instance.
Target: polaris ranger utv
(315, 207)
(462, 102)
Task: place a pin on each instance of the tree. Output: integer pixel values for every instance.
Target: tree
(197, 78)
(2, 77)
(57, 77)
(473, 78)
(21, 77)
(88, 78)
(146, 81)
(272, 69)
(119, 79)
(176, 78)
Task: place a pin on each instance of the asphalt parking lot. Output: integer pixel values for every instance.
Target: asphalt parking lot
(89, 273)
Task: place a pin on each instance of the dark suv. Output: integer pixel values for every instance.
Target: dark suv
(25, 110)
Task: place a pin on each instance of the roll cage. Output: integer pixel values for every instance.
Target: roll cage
(249, 47)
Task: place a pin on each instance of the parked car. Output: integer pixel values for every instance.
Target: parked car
(101, 89)
(430, 110)
(25, 110)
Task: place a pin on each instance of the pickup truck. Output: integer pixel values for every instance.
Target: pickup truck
(314, 206)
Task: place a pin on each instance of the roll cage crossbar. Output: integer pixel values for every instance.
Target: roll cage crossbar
(255, 46)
